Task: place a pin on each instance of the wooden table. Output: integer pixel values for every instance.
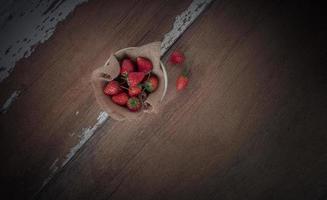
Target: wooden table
(249, 126)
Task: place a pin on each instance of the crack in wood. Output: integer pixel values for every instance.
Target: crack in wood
(9, 101)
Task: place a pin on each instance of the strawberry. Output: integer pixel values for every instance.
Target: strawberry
(120, 99)
(134, 104)
(144, 65)
(112, 88)
(177, 57)
(134, 91)
(152, 84)
(135, 78)
(182, 80)
(126, 67)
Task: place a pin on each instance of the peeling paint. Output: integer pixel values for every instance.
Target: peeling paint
(9, 101)
(85, 136)
(182, 22)
(53, 170)
(54, 164)
(24, 24)
(48, 179)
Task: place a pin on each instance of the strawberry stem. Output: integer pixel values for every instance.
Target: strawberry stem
(124, 87)
(124, 77)
(141, 100)
(186, 71)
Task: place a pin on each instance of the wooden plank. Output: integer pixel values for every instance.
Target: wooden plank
(24, 24)
(56, 110)
(250, 125)
(182, 22)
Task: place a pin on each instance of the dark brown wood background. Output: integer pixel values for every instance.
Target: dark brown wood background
(251, 124)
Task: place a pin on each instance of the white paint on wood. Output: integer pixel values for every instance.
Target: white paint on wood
(9, 101)
(87, 133)
(24, 24)
(182, 22)
(53, 170)
(54, 164)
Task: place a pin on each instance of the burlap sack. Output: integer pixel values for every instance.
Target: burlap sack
(111, 70)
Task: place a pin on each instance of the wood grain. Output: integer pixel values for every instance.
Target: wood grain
(250, 125)
(25, 24)
(56, 102)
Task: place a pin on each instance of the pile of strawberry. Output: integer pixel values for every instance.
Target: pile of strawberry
(135, 82)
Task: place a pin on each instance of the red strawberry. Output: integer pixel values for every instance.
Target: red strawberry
(152, 84)
(134, 104)
(144, 65)
(135, 78)
(112, 88)
(120, 99)
(182, 80)
(126, 67)
(177, 57)
(134, 91)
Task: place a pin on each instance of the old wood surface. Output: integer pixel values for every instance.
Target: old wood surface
(250, 125)
(24, 24)
(46, 124)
